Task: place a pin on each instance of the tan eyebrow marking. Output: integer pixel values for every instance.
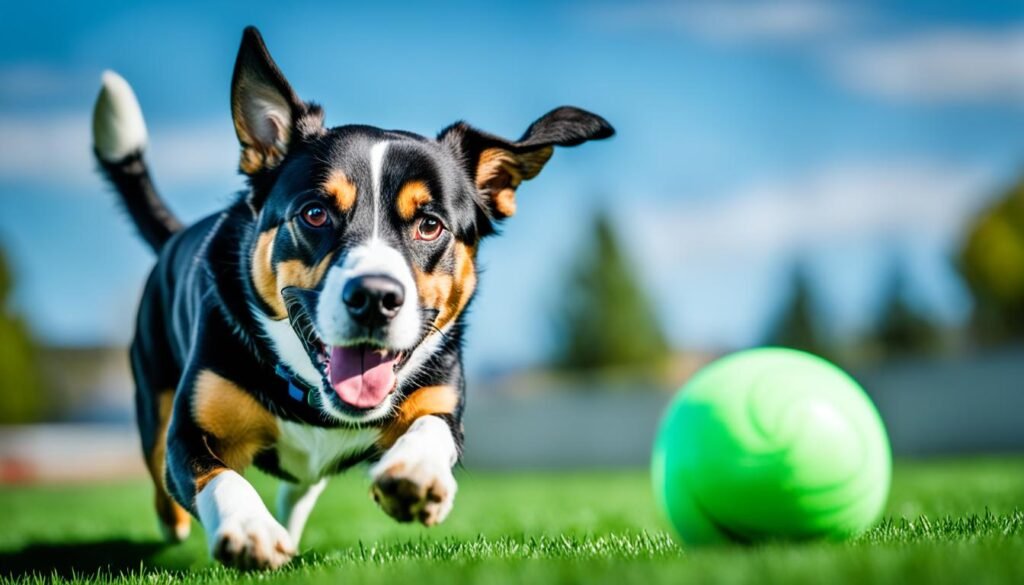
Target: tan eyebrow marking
(338, 186)
(413, 195)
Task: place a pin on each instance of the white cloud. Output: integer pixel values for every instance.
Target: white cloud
(938, 66)
(56, 151)
(33, 80)
(736, 21)
(842, 203)
(953, 65)
(718, 267)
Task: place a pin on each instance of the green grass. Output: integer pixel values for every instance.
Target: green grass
(953, 522)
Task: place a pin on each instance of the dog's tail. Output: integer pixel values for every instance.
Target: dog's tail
(119, 139)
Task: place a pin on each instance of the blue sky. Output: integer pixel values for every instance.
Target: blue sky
(750, 134)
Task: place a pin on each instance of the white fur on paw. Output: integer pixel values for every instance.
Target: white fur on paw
(252, 542)
(411, 489)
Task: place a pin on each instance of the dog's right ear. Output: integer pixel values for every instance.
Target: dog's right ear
(268, 115)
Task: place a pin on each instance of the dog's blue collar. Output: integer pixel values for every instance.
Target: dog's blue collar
(297, 389)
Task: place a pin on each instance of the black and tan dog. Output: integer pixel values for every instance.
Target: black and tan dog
(317, 322)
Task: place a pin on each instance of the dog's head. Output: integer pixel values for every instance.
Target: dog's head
(364, 253)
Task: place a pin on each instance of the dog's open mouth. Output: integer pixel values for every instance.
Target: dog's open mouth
(362, 375)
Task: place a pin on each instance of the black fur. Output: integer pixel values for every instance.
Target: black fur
(130, 178)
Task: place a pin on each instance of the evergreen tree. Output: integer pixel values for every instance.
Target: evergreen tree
(796, 324)
(604, 319)
(901, 330)
(992, 264)
(21, 398)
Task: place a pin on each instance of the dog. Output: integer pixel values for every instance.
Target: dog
(317, 322)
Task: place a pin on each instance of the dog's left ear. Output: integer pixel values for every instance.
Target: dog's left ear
(268, 115)
(498, 166)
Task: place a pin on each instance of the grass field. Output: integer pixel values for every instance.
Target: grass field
(954, 522)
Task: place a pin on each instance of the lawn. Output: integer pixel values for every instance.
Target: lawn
(954, 521)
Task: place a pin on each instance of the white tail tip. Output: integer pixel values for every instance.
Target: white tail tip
(118, 129)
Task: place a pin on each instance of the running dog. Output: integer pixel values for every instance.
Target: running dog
(317, 321)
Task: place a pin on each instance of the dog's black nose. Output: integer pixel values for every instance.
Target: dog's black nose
(373, 300)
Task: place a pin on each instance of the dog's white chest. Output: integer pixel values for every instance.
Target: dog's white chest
(309, 453)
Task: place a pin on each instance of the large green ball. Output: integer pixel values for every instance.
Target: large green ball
(771, 444)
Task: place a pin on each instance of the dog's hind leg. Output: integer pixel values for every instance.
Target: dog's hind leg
(294, 504)
(175, 521)
(155, 382)
(153, 408)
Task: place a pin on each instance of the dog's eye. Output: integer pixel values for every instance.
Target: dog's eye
(315, 215)
(428, 228)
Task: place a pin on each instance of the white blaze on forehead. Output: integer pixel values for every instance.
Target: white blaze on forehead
(377, 153)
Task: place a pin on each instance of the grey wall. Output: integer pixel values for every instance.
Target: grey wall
(973, 404)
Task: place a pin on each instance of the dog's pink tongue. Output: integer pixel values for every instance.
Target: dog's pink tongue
(362, 376)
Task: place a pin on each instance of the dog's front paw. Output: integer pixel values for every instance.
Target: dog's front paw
(410, 490)
(252, 542)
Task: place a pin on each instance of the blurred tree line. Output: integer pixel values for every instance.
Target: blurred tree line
(899, 329)
(605, 321)
(21, 386)
(991, 263)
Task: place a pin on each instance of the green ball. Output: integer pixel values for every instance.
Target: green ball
(771, 444)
